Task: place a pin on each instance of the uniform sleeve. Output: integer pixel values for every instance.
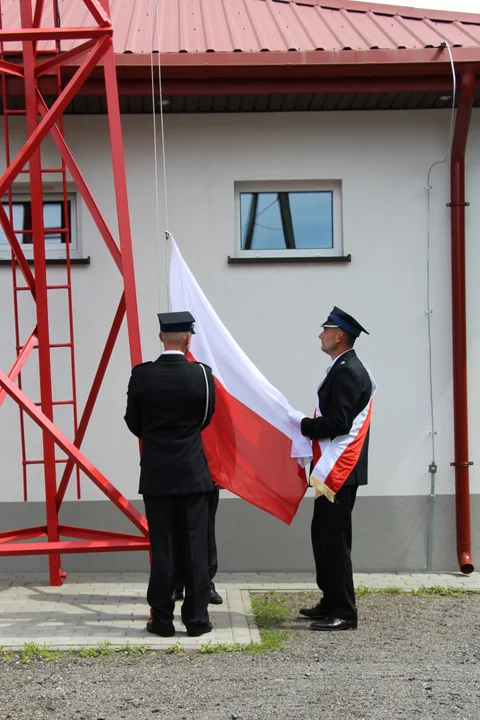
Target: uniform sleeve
(345, 397)
(211, 396)
(133, 416)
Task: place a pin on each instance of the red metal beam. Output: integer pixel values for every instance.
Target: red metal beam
(23, 534)
(93, 394)
(121, 197)
(37, 19)
(11, 68)
(69, 449)
(92, 534)
(69, 548)
(459, 324)
(98, 13)
(82, 188)
(41, 299)
(38, 34)
(43, 128)
(37, 15)
(20, 362)
(63, 58)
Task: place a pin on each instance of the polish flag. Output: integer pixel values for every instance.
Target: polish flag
(248, 444)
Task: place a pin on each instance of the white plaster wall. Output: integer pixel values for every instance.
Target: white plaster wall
(275, 311)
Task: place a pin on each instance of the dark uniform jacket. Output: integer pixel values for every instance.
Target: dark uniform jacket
(344, 393)
(165, 408)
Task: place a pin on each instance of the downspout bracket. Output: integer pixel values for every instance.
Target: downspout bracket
(458, 204)
(461, 464)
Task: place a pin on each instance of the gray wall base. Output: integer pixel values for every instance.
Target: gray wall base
(390, 534)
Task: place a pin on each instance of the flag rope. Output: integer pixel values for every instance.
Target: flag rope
(153, 30)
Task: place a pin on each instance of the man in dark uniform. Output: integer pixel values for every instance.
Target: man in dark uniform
(169, 402)
(342, 396)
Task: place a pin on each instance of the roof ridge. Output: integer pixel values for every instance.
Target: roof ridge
(403, 11)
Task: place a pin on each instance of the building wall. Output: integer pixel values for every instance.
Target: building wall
(274, 312)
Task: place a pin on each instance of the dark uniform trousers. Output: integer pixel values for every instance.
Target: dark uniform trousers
(178, 526)
(332, 545)
(213, 499)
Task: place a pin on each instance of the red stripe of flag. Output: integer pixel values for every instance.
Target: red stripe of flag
(251, 458)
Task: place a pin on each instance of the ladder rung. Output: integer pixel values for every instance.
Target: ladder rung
(41, 462)
(58, 287)
(60, 345)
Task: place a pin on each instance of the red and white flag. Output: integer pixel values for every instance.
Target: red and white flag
(248, 444)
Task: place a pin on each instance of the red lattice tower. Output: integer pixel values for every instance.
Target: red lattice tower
(27, 66)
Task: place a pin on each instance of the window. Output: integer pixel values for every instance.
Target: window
(295, 219)
(60, 225)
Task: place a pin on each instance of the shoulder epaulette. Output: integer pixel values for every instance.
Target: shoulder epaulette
(148, 362)
(195, 362)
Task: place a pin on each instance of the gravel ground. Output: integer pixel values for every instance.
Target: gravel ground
(410, 657)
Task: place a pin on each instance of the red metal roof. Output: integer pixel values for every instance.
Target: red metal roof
(254, 26)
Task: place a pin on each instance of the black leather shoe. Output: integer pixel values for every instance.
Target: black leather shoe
(197, 631)
(159, 629)
(333, 623)
(177, 595)
(215, 598)
(314, 613)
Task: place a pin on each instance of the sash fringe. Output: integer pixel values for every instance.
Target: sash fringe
(322, 489)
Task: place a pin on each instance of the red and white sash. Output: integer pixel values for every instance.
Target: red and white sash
(335, 459)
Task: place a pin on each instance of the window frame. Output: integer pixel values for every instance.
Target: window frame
(55, 251)
(333, 186)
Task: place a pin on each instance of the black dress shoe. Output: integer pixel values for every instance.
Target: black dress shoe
(215, 598)
(316, 612)
(334, 623)
(197, 631)
(160, 629)
(177, 595)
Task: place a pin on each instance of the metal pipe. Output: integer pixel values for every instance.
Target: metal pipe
(457, 205)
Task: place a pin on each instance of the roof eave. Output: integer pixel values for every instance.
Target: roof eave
(369, 61)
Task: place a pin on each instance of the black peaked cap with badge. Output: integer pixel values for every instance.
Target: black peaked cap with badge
(177, 322)
(344, 321)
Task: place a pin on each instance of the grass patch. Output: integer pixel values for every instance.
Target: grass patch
(269, 608)
(439, 591)
(6, 654)
(433, 591)
(176, 649)
(271, 640)
(364, 590)
(105, 649)
(32, 651)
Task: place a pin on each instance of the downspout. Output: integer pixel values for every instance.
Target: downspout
(457, 205)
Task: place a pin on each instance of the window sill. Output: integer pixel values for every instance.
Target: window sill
(295, 259)
(52, 261)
